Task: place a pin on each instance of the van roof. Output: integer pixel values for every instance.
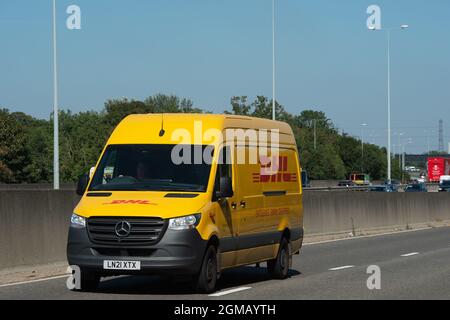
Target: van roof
(145, 128)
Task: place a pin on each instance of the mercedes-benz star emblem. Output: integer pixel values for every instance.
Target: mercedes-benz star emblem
(123, 229)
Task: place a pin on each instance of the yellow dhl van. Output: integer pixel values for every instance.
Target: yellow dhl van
(144, 211)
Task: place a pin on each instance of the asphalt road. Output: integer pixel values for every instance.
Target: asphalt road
(414, 265)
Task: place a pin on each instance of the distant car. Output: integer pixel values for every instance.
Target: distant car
(444, 186)
(416, 187)
(346, 183)
(306, 183)
(423, 177)
(394, 187)
(383, 188)
(393, 182)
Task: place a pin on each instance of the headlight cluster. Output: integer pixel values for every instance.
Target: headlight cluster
(181, 223)
(77, 221)
(184, 223)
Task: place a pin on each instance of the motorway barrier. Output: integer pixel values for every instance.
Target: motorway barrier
(337, 212)
(36, 186)
(34, 223)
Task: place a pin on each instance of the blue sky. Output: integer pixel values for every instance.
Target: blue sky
(210, 50)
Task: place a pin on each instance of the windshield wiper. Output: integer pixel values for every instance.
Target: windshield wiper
(173, 188)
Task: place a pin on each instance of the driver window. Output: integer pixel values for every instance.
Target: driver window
(224, 166)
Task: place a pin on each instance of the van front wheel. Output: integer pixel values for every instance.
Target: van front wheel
(279, 267)
(89, 281)
(207, 278)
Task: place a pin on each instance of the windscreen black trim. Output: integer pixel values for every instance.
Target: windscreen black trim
(181, 195)
(99, 194)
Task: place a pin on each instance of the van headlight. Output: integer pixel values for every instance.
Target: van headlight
(77, 221)
(185, 223)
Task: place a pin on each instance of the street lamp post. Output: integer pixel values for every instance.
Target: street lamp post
(400, 150)
(388, 30)
(362, 146)
(55, 107)
(274, 116)
(403, 162)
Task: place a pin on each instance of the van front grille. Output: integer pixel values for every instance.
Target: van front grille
(142, 231)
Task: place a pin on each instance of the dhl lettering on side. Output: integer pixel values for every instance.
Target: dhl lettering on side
(274, 169)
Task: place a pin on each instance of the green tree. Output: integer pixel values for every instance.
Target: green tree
(239, 106)
(116, 110)
(26, 144)
(161, 103)
(13, 153)
(83, 136)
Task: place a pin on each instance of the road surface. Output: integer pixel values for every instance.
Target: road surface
(414, 265)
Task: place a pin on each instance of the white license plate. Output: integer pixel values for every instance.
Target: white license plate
(121, 265)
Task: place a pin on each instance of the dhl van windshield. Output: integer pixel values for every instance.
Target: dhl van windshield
(151, 168)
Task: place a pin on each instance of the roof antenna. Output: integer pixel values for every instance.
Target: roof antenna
(162, 132)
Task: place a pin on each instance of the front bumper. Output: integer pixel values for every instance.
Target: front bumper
(178, 252)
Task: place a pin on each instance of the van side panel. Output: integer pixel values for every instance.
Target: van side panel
(255, 243)
(283, 197)
(269, 202)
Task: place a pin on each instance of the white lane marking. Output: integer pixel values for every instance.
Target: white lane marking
(223, 293)
(341, 268)
(409, 254)
(32, 281)
(368, 236)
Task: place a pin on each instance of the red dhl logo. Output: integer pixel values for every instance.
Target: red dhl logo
(274, 169)
(141, 202)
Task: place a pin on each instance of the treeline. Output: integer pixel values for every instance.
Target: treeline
(26, 143)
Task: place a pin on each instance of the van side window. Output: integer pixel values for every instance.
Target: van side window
(225, 162)
(224, 168)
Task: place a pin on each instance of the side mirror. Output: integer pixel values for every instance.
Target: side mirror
(225, 188)
(91, 172)
(82, 185)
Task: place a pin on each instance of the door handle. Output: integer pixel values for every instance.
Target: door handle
(243, 204)
(233, 205)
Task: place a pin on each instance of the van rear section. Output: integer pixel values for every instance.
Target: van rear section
(189, 195)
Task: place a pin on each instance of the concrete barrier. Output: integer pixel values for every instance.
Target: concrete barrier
(332, 183)
(33, 226)
(332, 212)
(34, 223)
(37, 186)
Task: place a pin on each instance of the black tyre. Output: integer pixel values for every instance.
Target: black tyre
(279, 267)
(205, 281)
(89, 280)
